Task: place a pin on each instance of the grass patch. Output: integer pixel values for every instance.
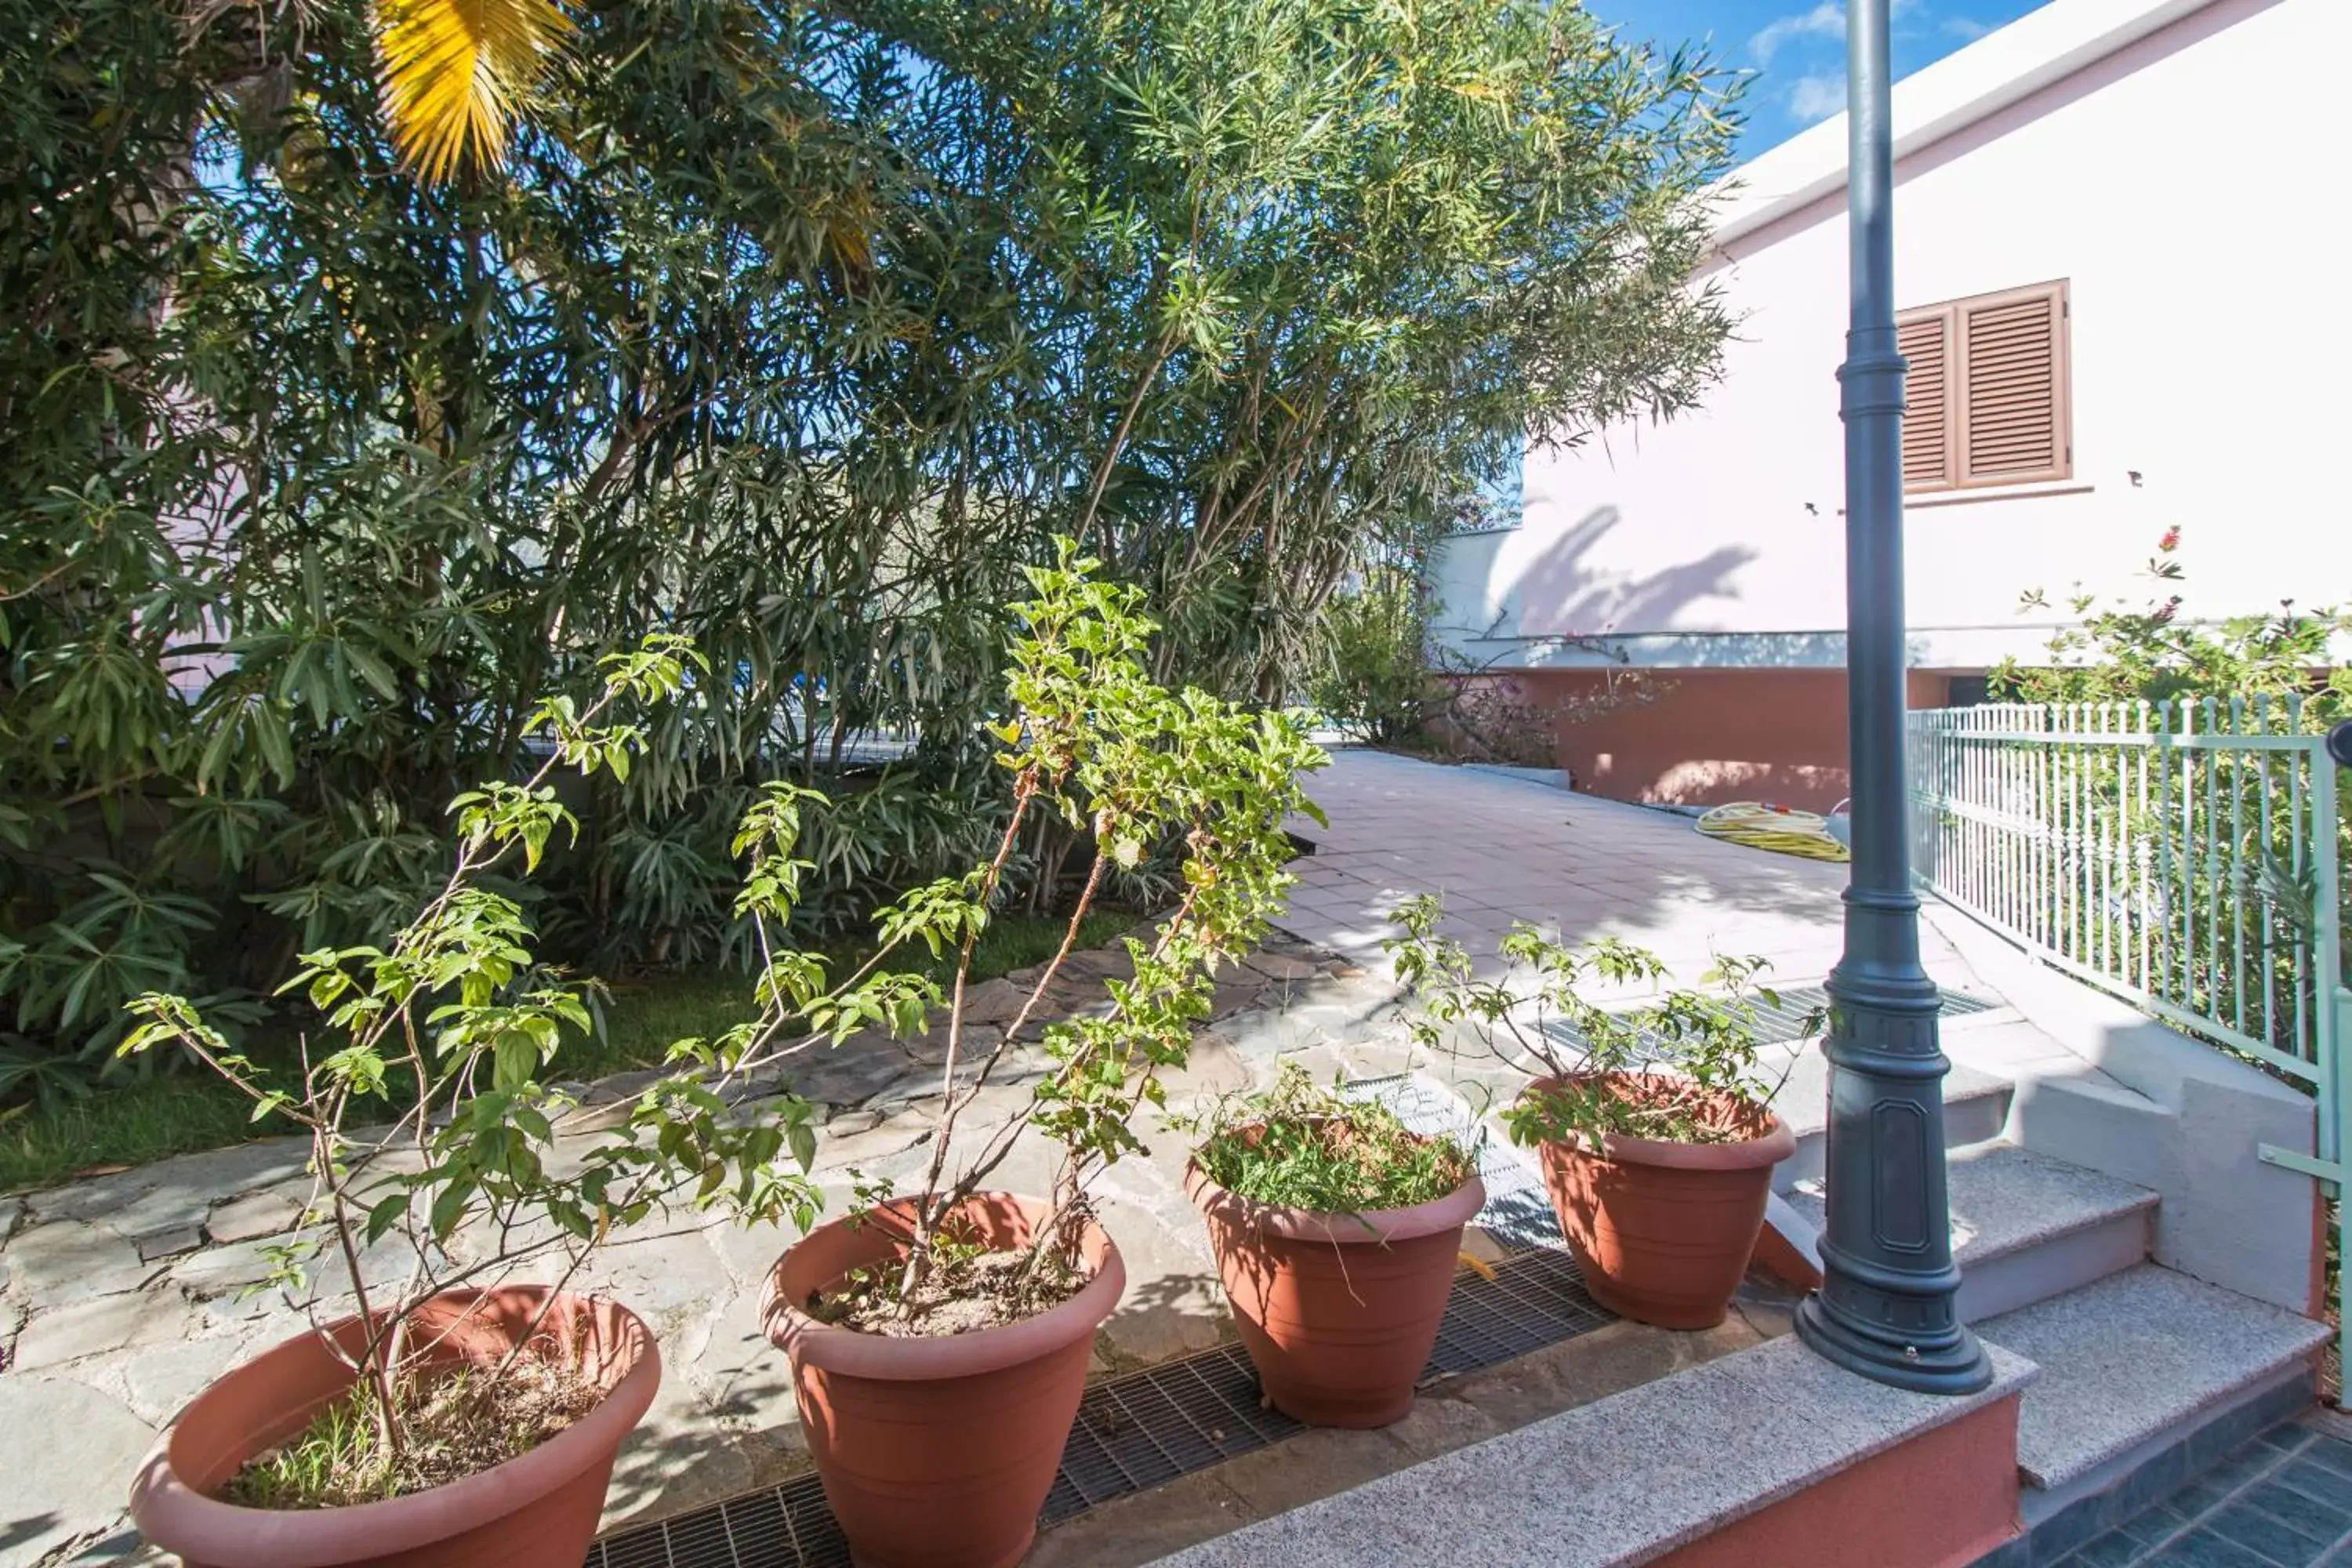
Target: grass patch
(126, 1123)
(642, 1020)
(457, 1422)
(1301, 1146)
(134, 1121)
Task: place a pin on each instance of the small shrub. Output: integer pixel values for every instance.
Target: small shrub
(1373, 679)
(1302, 1146)
(1694, 1052)
(451, 1009)
(2156, 650)
(1094, 742)
(458, 1423)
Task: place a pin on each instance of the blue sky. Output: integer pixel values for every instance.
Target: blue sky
(1797, 47)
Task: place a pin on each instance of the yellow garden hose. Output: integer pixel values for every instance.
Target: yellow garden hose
(1775, 827)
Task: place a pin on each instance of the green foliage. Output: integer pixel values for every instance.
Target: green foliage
(1093, 742)
(2275, 673)
(800, 333)
(2153, 651)
(1300, 1145)
(451, 1008)
(1374, 680)
(67, 1127)
(1679, 1040)
(45, 1141)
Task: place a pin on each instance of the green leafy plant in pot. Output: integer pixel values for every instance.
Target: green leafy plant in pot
(1653, 1121)
(444, 1409)
(1336, 1230)
(939, 1340)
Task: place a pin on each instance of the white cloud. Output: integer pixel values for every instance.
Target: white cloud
(1825, 20)
(1967, 30)
(1812, 97)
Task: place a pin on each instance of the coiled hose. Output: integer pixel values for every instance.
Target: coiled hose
(1778, 828)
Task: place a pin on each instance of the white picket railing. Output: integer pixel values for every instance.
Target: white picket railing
(2185, 855)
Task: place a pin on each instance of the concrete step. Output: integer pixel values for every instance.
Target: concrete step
(1976, 1105)
(1622, 1481)
(2134, 1366)
(2026, 1227)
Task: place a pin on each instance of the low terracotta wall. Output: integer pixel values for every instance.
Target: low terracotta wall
(1712, 735)
(1941, 1501)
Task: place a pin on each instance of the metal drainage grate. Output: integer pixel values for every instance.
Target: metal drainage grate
(1517, 1213)
(1535, 1299)
(1786, 1023)
(785, 1527)
(1136, 1431)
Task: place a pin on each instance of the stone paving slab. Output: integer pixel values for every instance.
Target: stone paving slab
(2284, 1501)
(1500, 848)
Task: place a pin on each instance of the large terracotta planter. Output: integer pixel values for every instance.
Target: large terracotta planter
(1663, 1231)
(1338, 1312)
(937, 1453)
(539, 1509)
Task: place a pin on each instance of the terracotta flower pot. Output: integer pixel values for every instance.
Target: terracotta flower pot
(1337, 1312)
(1663, 1231)
(539, 1509)
(937, 1452)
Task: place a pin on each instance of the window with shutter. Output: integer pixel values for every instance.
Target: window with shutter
(1924, 342)
(1986, 402)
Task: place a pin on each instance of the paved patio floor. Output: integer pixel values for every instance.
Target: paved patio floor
(1499, 847)
(121, 1296)
(2282, 1501)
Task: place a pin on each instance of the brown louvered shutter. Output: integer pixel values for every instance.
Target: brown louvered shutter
(2012, 393)
(1923, 338)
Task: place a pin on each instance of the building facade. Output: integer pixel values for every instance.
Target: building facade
(2112, 259)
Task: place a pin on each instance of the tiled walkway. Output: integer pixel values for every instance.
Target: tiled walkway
(1499, 847)
(2284, 1502)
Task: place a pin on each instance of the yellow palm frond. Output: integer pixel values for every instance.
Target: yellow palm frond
(452, 70)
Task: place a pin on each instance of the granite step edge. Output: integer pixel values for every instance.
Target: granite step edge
(2006, 1200)
(1621, 1482)
(2136, 1355)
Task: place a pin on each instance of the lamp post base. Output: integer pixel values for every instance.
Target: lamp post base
(1951, 1363)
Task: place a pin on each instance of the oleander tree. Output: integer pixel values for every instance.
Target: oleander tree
(371, 371)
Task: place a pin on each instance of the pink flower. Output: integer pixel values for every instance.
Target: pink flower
(2171, 540)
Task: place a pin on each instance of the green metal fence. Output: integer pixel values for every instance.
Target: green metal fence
(2187, 856)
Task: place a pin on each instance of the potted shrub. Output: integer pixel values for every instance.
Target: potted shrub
(1336, 1230)
(441, 1410)
(1653, 1121)
(939, 1341)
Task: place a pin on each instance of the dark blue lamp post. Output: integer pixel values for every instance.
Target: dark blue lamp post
(1885, 1308)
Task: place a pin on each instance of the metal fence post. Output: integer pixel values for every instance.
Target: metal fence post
(2333, 1007)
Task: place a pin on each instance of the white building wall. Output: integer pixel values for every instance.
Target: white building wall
(2185, 187)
